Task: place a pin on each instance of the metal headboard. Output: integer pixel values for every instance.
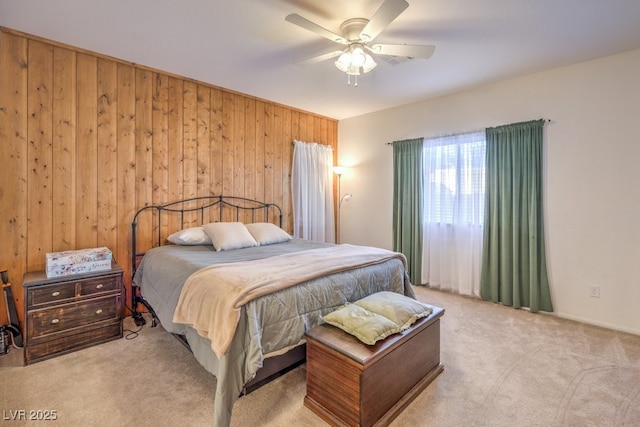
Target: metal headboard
(225, 204)
(201, 204)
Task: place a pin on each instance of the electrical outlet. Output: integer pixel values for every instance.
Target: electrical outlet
(594, 291)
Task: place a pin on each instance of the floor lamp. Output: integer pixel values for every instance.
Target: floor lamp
(339, 170)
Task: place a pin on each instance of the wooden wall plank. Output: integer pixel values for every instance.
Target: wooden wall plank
(311, 131)
(203, 157)
(64, 150)
(228, 148)
(295, 126)
(238, 148)
(269, 150)
(216, 155)
(13, 151)
(249, 154)
(332, 134)
(290, 133)
(87, 153)
(126, 166)
(301, 128)
(315, 128)
(160, 152)
(279, 139)
(107, 156)
(190, 147)
(175, 146)
(259, 144)
(320, 129)
(144, 152)
(39, 134)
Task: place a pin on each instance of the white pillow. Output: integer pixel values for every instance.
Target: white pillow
(266, 233)
(190, 236)
(229, 235)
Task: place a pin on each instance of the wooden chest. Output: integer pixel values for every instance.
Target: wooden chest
(353, 384)
(67, 313)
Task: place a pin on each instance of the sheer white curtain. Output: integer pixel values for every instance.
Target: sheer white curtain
(454, 212)
(312, 192)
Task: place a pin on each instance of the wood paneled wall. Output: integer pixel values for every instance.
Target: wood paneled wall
(86, 140)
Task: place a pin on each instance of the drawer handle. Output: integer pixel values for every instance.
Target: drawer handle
(99, 311)
(55, 294)
(55, 321)
(99, 286)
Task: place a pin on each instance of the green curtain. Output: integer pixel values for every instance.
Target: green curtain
(514, 270)
(408, 193)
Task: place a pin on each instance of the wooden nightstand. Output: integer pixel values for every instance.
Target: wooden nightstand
(65, 314)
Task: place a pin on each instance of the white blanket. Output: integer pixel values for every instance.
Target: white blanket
(211, 298)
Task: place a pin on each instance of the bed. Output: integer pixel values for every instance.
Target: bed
(266, 334)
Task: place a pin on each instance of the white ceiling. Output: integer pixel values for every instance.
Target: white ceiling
(248, 47)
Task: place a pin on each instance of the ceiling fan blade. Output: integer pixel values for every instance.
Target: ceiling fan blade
(389, 11)
(408, 50)
(320, 58)
(298, 20)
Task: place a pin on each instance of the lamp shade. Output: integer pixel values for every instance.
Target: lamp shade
(339, 170)
(343, 62)
(357, 57)
(369, 64)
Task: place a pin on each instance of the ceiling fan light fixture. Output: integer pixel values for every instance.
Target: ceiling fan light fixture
(343, 62)
(369, 64)
(357, 55)
(355, 61)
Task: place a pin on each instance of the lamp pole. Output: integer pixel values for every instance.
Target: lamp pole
(339, 170)
(339, 206)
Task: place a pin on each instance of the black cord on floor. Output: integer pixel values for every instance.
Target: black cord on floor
(132, 334)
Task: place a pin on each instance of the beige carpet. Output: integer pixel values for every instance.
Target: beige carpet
(503, 367)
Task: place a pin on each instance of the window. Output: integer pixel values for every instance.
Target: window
(454, 178)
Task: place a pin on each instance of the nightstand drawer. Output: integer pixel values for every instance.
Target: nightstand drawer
(51, 320)
(67, 343)
(52, 293)
(96, 286)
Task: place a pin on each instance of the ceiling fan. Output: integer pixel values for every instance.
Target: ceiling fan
(357, 34)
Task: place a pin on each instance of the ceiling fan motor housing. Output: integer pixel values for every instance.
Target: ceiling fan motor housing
(352, 28)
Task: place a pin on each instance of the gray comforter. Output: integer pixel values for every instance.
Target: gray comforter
(268, 325)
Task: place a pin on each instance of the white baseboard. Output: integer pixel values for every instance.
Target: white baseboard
(600, 324)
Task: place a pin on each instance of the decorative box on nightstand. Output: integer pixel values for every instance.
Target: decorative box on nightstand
(67, 313)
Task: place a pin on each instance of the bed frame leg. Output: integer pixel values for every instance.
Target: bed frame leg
(137, 316)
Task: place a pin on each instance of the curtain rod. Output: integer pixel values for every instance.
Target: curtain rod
(313, 143)
(469, 131)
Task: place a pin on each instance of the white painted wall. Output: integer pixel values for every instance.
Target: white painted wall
(591, 179)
